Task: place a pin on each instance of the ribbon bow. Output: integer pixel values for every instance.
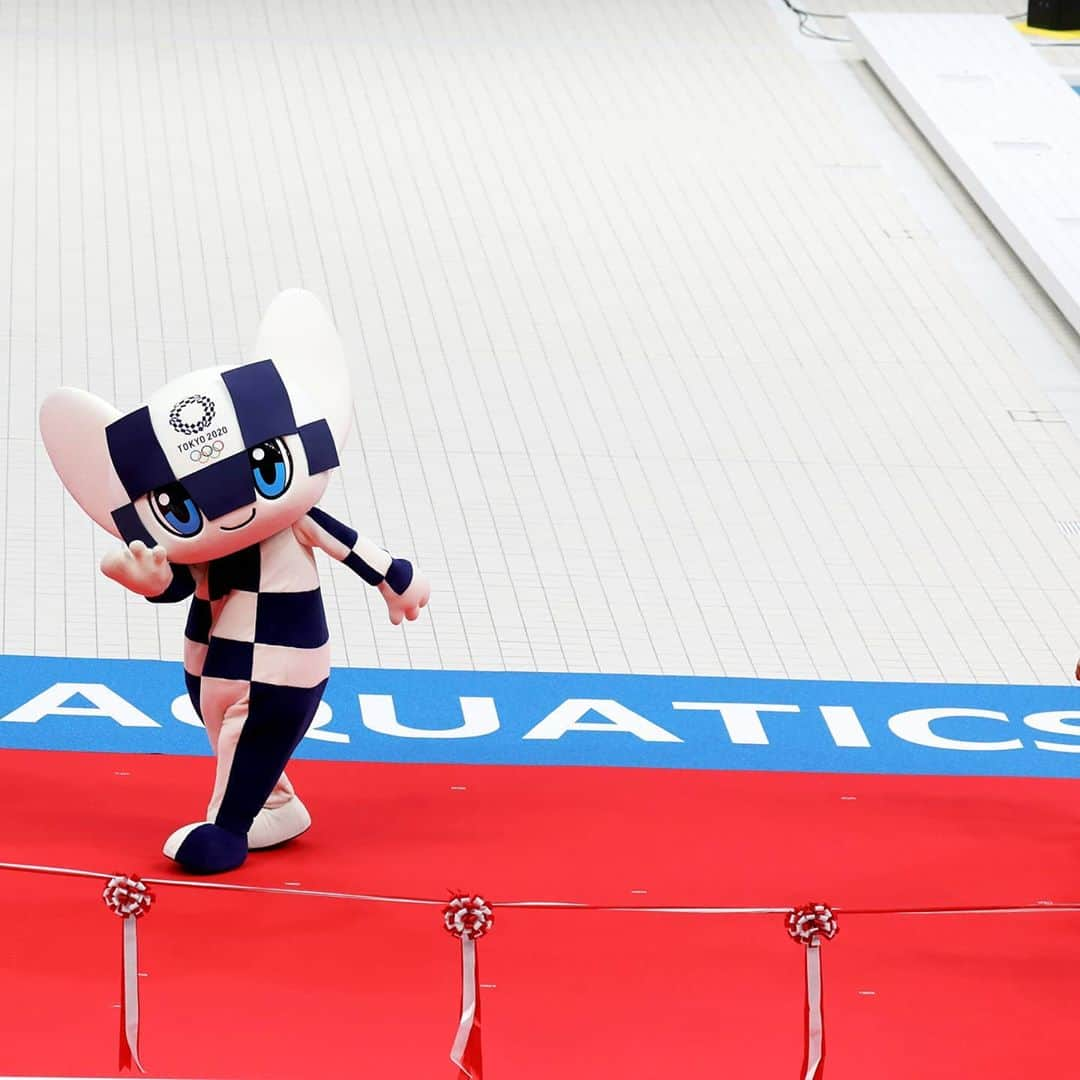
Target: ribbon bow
(807, 926)
(129, 898)
(468, 918)
(808, 923)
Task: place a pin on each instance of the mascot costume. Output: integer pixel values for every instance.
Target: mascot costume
(212, 485)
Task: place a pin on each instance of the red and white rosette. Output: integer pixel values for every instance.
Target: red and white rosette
(468, 918)
(807, 926)
(129, 898)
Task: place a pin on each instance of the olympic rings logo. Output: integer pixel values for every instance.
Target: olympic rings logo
(192, 425)
(208, 452)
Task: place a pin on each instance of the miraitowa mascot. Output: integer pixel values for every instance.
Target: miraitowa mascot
(212, 485)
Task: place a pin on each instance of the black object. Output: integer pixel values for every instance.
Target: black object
(1054, 14)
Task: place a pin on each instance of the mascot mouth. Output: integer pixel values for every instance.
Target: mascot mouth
(233, 528)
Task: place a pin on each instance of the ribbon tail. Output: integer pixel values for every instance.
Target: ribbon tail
(129, 999)
(814, 1063)
(465, 1053)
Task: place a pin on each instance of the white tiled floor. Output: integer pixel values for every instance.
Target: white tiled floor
(659, 367)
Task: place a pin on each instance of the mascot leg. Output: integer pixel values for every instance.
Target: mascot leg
(282, 817)
(254, 729)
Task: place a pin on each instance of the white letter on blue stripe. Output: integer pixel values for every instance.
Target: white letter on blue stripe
(568, 717)
(478, 715)
(914, 726)
(1056, 723)
(741, 719)
(107, 703)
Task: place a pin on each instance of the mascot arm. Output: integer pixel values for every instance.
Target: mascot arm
(404, 589)
(148, 572)
(180, 588)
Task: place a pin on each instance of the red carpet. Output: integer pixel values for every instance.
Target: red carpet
(274, 986)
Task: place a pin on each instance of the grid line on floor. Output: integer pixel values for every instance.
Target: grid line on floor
(656, 370)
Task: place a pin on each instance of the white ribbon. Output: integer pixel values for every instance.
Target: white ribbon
(815, 1037)
(131, 990)
(468, 1002)
(1068, 907)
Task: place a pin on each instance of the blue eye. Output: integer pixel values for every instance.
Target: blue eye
(176, 510)
(271, 467)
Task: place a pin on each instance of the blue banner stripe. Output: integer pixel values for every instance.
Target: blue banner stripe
(516, 718)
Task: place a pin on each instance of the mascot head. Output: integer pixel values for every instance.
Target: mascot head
(218, 459)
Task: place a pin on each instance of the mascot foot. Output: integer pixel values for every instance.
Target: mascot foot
(273, 826)
(204, 848)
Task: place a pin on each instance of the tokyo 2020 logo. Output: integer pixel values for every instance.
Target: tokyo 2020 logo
(192, 414)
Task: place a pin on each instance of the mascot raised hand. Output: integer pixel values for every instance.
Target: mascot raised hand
(212, 485)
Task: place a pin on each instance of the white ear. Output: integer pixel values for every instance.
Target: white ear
(298, 335)
(73, 426)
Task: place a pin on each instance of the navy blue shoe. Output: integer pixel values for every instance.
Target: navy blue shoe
(204, 848)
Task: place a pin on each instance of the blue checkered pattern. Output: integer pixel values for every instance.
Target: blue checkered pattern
(256, 641)
(237, 621)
